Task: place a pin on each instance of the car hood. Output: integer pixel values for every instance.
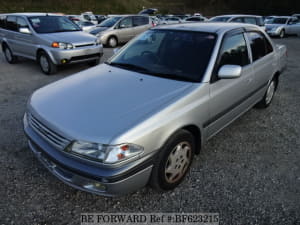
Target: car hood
(100, 103)
(73, 37)
(97, 30)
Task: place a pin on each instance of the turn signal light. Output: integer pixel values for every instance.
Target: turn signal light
(55, 45)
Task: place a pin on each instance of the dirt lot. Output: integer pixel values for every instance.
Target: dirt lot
(249, 173)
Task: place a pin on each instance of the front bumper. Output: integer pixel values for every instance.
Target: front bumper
(273, 33)
(77, 55)
(89, 177)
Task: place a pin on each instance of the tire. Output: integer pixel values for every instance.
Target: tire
(46, 64)
(173, 161)
(112, 42)
(10, 58)
(282, 34)
(94, 62)
(268, 96)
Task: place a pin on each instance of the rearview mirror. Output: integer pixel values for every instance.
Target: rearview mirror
(230, 71)
(24, 30)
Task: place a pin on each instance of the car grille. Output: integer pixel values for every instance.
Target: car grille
(84, 45)
(82, 57)
(49, 135)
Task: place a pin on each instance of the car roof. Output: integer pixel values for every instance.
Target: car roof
(284, 17)
(32, 14)
(208, 27)
(238, 15)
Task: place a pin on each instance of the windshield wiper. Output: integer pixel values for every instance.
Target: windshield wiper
(128, 66)
(56, 31)
(173, 76)
(153, 73)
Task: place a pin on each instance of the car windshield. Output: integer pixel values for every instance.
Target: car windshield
(220, 19)
(278, 21)
(179, 55)
(109, 22)
(52, 24)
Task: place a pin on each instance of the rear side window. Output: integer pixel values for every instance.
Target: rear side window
(11, 23)
(260, 45)
(140, 20)
(250, 20)
(237, 20)
(234, 51)
(3, 22)
(260, 21)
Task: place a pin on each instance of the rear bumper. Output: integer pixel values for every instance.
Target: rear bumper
(76, 55)
(89, 177)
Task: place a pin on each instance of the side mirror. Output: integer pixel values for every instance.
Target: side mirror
(230, 71)
(24, 30)
(116, 50)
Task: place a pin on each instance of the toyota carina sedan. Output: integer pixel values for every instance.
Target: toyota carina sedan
(142, 116)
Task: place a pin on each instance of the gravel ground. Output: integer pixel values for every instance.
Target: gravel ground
(249, 173)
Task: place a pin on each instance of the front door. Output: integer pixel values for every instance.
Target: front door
(230, 97)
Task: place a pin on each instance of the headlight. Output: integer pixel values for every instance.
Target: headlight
(105, 153)
(62, 45)
(97, 41)
(99, 34)
(275, 29)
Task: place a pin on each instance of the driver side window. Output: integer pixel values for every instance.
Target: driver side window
(126, 23)
(232, 52)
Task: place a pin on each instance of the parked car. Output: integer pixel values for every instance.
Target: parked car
(100, 18)
(283, 25)
(74, 18)
(170, 20)
(89, 17)
(296, 15)
(120, 29)
(51, 40)
(195, 19)
(251, 19)
(140, 117)
(86, 26)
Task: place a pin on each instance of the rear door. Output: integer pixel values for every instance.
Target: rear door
(293, 26)
(263, 56)
(141, 24)
(11, 29)
(230, 97)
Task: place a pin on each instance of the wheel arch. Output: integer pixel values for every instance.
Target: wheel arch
(276, 77)
(196, 132)
(4, 44)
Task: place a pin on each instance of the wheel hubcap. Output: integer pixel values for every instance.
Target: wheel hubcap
(270, 92)
(112, 42)
(8, 54)
(178, 162)
(44, 63)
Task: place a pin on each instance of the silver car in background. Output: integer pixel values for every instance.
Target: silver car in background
(121, 29)
(51, 40)
(142, 116)
(283, 25)
(239, 18)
